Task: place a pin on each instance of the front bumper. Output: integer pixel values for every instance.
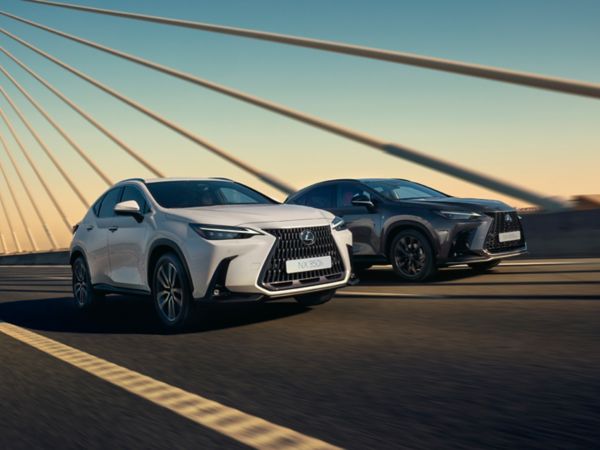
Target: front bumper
(487, 256)
(477, 241)
(232, 270)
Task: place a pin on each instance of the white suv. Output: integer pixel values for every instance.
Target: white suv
(208, 240)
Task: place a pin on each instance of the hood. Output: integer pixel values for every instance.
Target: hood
(235, 215)
(471, 204)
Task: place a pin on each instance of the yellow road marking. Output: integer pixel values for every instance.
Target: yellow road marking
(233, 423)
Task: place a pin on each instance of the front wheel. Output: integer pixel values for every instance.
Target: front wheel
(315, 298)
(484, 266)
(411, 256)
(84, 295)
(171, 292)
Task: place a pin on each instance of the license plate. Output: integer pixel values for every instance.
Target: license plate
(307, 264)
(509, 236)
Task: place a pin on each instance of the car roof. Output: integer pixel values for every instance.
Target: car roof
(161, 180)
(381, 179)
(359, 180)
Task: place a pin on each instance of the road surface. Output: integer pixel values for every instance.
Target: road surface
(508, 359)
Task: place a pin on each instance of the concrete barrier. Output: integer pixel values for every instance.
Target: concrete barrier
(36, 259)
(568, 234)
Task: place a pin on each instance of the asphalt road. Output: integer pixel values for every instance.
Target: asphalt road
(509, 359)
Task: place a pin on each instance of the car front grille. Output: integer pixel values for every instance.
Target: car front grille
(288, 247)
(503, 222)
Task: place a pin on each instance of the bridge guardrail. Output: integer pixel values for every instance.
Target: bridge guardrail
(567, 234)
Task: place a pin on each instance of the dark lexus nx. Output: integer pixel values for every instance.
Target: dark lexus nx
(416, 228)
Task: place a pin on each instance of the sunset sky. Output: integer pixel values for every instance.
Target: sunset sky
(547, 142)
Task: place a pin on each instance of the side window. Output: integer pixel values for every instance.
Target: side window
(108, 204)
(322, 197)
(97, 205)
(347, 191)
(133, 193)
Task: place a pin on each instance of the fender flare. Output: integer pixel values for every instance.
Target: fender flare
(77, 249)
(165, 242)
(412, 224)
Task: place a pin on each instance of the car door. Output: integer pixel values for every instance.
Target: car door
(127, 241)
(96, 236)
(364, 222)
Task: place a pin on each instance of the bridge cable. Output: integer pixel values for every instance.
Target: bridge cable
(11, 226)
(41, 179)
(48, 153)
(393, 149)
(58, 128)
(474, 70)
(27, 191)
(135, 155)
(267, 178)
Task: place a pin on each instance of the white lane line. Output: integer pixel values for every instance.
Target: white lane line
(235, 424)
(549, 263)
(343, 293)
(577, 262)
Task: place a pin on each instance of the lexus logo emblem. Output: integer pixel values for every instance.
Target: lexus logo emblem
(307, 237)
(507, 218)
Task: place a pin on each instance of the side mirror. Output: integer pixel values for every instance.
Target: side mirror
(363, 200)
(129, 208)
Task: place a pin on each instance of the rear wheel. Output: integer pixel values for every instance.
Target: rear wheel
(315, 298)
(411, 256)
(171, 292)
(484, 266)
(84, 295)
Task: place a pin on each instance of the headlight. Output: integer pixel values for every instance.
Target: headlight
(454, 215)
(338, 224)
(222, 232)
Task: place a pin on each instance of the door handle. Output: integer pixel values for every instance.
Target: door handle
(113, 228)
(89, 227)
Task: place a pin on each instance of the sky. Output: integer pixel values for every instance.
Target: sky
(544, 141)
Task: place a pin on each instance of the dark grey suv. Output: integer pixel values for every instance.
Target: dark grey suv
(416, 228)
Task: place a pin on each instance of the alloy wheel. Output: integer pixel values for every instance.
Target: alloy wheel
(80, 284)
(169, 292)
(410, 256)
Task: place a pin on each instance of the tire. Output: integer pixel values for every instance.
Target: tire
(171, 292)
(85, 297)
(484, 266)
(411, 256)
(315, 298)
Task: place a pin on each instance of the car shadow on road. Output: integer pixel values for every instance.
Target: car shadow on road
(133, 315)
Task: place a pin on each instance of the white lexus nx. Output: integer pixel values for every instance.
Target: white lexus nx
(205, 240)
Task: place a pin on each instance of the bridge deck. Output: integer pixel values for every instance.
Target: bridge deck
(505, 359)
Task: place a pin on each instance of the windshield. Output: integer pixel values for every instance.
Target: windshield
(402, 189)
(196, 193)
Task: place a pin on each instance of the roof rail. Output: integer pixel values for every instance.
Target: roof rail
(141, 180)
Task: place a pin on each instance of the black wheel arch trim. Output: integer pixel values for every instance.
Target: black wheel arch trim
(409, 223)
(164, 242)
(75, 250)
